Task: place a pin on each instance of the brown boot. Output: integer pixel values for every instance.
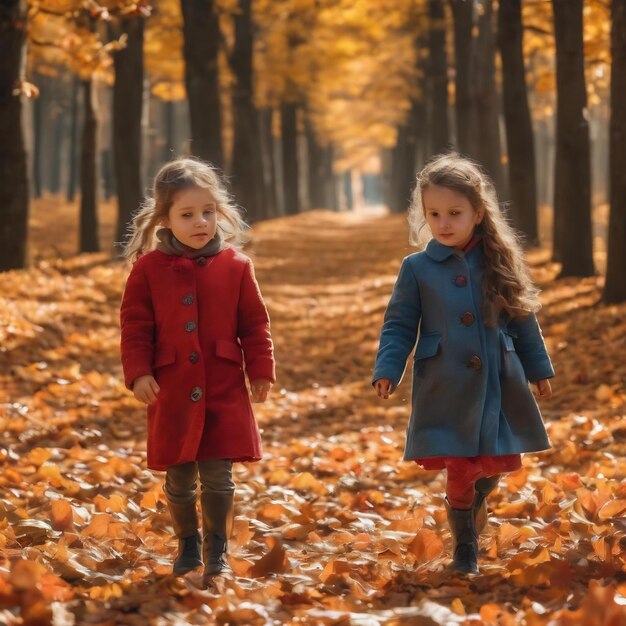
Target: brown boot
(217, 521)
(185, 523)
(482, 488)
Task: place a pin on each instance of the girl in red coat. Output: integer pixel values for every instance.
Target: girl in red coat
(192, 318)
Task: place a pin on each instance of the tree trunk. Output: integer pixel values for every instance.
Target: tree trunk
(13, 160)
(438, 127)
(519, 131)
(169, 121)
(127, 110)
(488, 111)
(39, 112)
(409, 135)
(289, 135)
(403, 164)
(316, 170)
(88, 168)
(265, 117)
(331, 184)
(464, 60)
(247, 172)
(73, 150)
(572, 197)
(348, 193)
(201, 31)
(55, 148)
(615, 288)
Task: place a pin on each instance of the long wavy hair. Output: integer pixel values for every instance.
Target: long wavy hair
(172, 178)
(507, 285)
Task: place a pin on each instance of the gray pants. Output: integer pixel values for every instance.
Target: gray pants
(215, 476)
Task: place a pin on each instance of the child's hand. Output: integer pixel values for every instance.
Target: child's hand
(260, 388)
(383, 388)
(544, 389)
(146, 389)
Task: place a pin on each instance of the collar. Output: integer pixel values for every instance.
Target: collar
(438, 252)
(170, 245)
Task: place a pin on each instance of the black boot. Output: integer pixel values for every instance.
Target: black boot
(185, 523)
(464, 539)
(482, 488)
(217, 518)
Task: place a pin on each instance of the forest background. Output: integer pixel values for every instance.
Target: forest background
(319, 112)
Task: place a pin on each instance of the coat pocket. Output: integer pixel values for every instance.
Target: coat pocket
(229, 350)
(427, 346)
(164, 356)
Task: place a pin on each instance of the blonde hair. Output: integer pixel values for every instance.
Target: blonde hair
(173, 177)
(507, 285)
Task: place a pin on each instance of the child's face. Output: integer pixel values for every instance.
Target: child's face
(193, 217)
(450, 215)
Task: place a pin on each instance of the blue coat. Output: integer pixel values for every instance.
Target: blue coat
(470, 381)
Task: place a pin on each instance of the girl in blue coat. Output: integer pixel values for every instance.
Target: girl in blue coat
(468, 301)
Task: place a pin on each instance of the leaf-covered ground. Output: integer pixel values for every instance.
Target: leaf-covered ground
(332, 526)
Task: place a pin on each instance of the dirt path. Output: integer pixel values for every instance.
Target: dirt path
(332, 527)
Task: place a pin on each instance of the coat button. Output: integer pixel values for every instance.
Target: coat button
(467, 318)
(460, 280)
(475, 363)
(190, 327)
(194, 357)
(196, 394)
(202, 260)
(188, 299)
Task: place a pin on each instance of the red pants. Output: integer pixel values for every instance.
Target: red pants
(463, 472)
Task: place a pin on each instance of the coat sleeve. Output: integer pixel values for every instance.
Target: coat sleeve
(137, 327)
(254, 329)
(399, 331)
(530, 347)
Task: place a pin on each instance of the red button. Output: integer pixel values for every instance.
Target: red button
(467, 319)
(460, 280)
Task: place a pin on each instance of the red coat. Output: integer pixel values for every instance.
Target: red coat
(186, 322)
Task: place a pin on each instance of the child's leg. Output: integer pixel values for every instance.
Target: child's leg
(483, 487)
(218, 490)
(462, 476)
(180, 491)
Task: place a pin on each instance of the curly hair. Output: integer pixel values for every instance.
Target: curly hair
(507, 285)
(173, 177)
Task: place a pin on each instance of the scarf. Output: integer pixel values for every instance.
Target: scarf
(170, 245)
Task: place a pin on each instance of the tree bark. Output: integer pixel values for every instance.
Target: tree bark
(73, 159)
(13, 161)
(265, 117)
(289, 135)
(519, 131)
(572, 198)
(437, 90)
(57, 145)
(201, 31)
(464, 61)
(39, 112)
(247, 165)
(169, 121)
(316, 170)
(127, 111)
(488, 111)
(348, 193)
(332, 185)
(615, 287)
(403, 161)
(88, 167)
